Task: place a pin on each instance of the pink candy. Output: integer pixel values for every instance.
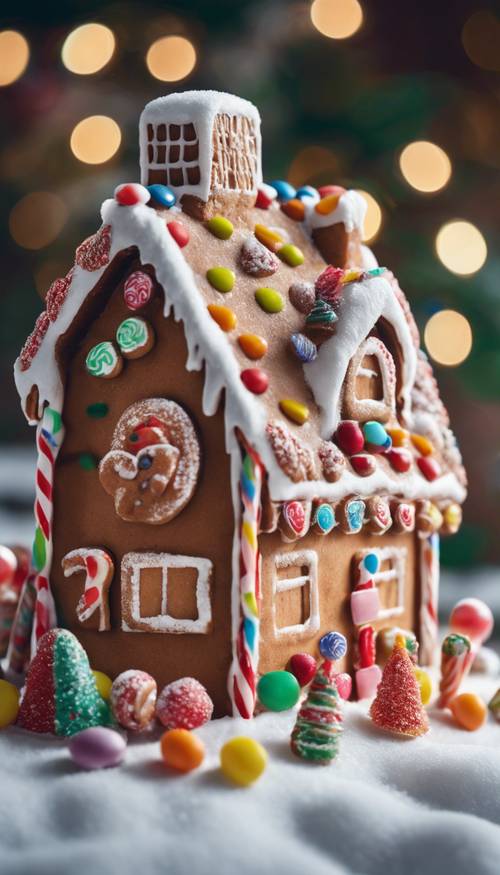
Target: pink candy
(367, 681)
(184, 704)
(137, 290)
(365, 605)
(133, 699)
(472, 617)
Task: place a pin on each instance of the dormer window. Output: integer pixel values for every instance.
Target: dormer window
(370, 386)
(173, 155)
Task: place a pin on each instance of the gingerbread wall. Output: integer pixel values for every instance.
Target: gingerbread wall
(85, 515)
(335, 553)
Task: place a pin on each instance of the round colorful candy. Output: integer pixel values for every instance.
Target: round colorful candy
(9, 703)
(303, 667)
(243, 760)
(333, 646)
(103, 683)
(97, 748)
(255, 380)
(8, 564)
(135, 337)
(284, 189)
(469, 711)
(163, 195)
(103, 361)
(425, 684)
(472, 617)
(133, 699)
(130, 193)
(182, 750)
(278, 690)
(138, 290)
(349, 437)
(375, 434)
(184, 704)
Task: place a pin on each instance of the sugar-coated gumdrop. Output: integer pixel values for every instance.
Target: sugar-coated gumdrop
(278, 690)
(469, 711)
(97, 748)
(9, 703)
(182, 750)
(133, 699)
(425, 684)
(179, 232)
(349, 437)
(184, 704)
(8, 565)
(303, 666)
(472, 617)
(333, 646)
(103, 683)
(130, 193)
(243, 760)
(255, 380)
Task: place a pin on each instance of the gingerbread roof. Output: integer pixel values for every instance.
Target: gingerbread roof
(300, 459)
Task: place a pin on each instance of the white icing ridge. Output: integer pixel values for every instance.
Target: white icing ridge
(199, 108)
(350, 210)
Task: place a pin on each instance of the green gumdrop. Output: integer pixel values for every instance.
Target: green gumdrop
(78, 704)
(87, 461)
(39, 550)
(97, 410)
(278, 690)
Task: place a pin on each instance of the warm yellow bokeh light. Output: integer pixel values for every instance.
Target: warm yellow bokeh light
(311, 163)
(37, 219)
(95, 139)
(425, 166)
(88, 48)
(14, 56)
(337, 19)
(481, 39)
(171, 58)
(373, 218)
(461, 247)
(448, 337)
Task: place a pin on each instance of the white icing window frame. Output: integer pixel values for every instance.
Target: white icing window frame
(307, 558)
(386, 406)
(398, 557)
(134, 563)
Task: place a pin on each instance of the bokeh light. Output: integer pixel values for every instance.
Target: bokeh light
(171, 58)
(425, 166)
(337, 19)
(37, 219)
(88, 48)
(95, 139)
(448, 337)
(14, 56)
(373, 218)
(310, 164)
(46, 272)
(481, 39)
(461, 247)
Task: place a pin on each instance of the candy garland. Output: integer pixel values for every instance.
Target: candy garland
(429, 586)
(245, 659)
(50, 435)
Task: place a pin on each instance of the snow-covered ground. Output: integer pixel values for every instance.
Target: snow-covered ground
(410, 807)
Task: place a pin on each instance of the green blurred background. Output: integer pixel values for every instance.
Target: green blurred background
(333, 110)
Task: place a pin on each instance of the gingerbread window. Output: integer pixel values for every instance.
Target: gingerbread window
(173, 155)
(234, 163)
(295, 594)
(389, 577)
(370, 385)
(164, 592)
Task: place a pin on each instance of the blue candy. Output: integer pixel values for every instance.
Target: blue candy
(163, 195)
(355, 514)
(371, 562)
(375, 433)
(306, 191)
(333, 646)
(325, 518)
(304, 348)
(285, 191)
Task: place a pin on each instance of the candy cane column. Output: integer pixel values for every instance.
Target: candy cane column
(49, 437)
(429, 585)
(243, 675)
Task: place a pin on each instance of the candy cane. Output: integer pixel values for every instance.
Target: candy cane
(429, 583)
(243, 674)
(19, 643)
(49, 437)
(455, 661)
(99, 569)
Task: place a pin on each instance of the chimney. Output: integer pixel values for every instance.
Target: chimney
(336, 226)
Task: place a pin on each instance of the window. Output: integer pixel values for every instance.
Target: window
(295, 594)
(173, 155)
(234, 165)
(389, 577)
(370, 385)
(162, 592)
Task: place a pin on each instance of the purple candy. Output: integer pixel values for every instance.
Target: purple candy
(97, 748)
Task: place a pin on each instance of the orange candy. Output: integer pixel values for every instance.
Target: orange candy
(252, 345)
(399, 436)
(469, 711)
(268, 238)
(182, 750)
(224, 316)
(422, 444)
(294, 209)
(327, 204)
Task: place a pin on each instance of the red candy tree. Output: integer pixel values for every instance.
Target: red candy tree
(397, 707)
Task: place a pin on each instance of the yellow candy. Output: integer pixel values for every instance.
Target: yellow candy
(268, 238)
(220, 227)
(9, 704)
(452, 516)
(399, 436)
(224, 316)
(351, 276)
(327, 204)
(425, 684)
(469, 711)
(294, 410)
(243, 760)
(252, 345)
(103, 684)
(422, 444)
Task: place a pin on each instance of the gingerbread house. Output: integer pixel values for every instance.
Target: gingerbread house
(240, 444)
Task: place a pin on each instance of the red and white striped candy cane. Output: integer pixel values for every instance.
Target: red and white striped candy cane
(429, 588)
(99, 569)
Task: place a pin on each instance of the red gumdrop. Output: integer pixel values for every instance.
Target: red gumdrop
(363, 464)
(263, 201)
(400, 459)
(303, 667)
(184, 704)
(37, 711)
(349, 437)
(179, 232)
(328, 285)
(429, 467)
(343, 682)
(255, 380)
(472, 617)
(326, 190)
(8, 565)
